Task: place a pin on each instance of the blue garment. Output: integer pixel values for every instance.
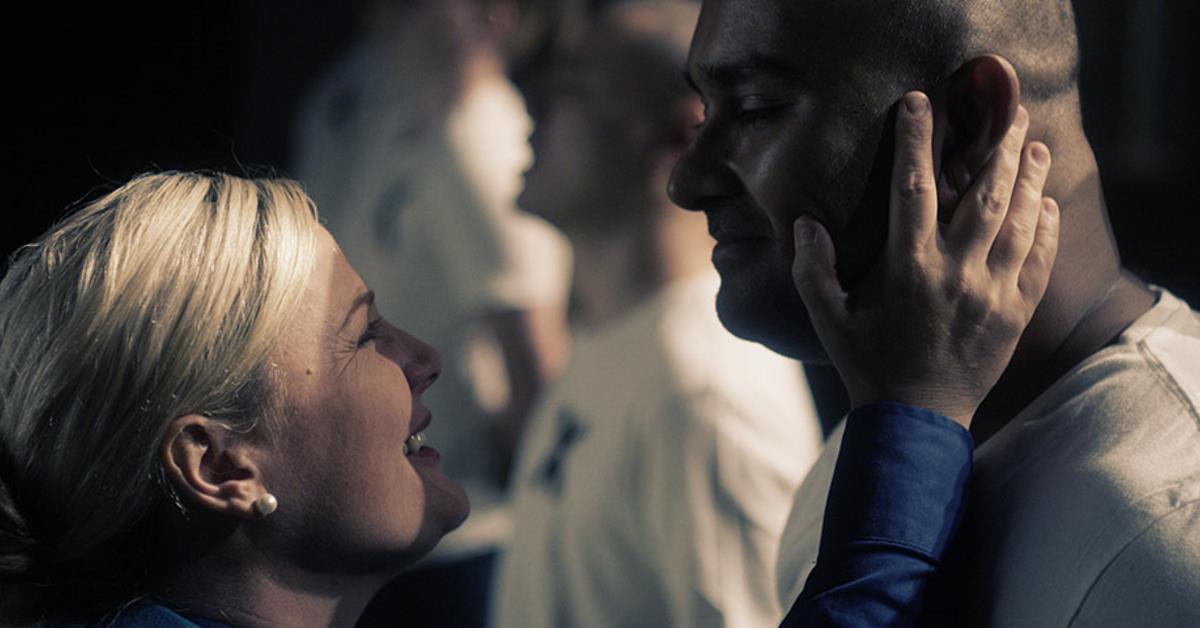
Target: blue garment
(156, 616)
(897, 496)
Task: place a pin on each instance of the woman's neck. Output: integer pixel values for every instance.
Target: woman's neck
(252, 591)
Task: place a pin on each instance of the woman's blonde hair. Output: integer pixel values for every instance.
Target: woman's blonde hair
(164, 298)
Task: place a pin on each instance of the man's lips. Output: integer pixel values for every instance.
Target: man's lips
(739, 239)
(737, 248)
(729, 224)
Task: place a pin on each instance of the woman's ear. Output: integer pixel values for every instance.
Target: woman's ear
(976, 110)
(210, 467)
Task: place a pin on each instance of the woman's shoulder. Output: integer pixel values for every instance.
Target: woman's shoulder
(149, 616)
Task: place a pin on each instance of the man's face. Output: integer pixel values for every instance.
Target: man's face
(796, 108)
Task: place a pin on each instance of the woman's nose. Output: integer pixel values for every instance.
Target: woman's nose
(421, 362)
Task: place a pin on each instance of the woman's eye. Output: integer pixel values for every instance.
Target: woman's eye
(370, 334)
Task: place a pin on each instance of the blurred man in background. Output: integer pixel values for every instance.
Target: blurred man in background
(654, 479)
(412, 146)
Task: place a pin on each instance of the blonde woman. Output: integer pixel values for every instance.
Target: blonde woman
(204, 419)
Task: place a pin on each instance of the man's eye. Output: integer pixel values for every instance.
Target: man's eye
(755, 111)
(371, 333)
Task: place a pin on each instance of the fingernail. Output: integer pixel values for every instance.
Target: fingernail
(916, 103)
(1039, 153)
(804, 231)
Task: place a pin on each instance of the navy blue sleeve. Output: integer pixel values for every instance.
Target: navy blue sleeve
(897, 496)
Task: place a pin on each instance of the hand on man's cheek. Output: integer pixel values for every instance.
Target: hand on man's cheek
(860, 242)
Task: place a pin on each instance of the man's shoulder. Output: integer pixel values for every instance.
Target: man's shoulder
(1155, 579)
(1112, 433)
(1088, 469)
(1147, 380)
(1168, 340)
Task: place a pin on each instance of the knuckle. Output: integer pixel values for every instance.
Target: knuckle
(1010, 323)
(915, 264)
(958, 283)
(1017, 230)
(803, 282)
(993, 201)
(1028, 192)
(981, 303)
(806, 283)
(913, 184)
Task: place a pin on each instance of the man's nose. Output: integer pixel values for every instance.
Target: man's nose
(701, 176)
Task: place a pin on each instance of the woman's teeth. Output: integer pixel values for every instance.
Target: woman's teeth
(414, 443)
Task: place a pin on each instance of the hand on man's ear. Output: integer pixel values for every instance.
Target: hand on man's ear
(980, 105)
(936, 321)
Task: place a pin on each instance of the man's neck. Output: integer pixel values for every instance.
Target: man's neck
(1090, 301)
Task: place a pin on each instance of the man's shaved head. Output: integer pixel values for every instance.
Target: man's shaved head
(932, 38)
(1037, 36)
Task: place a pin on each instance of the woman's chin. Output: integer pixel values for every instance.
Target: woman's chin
(458, 506)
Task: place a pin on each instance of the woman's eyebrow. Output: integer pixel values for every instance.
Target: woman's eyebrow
(367, 298)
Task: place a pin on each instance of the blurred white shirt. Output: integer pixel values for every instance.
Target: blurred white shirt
(654, 481)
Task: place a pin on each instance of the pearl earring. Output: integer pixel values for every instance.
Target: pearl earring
(264, 505)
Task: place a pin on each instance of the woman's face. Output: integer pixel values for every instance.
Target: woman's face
(350, 497)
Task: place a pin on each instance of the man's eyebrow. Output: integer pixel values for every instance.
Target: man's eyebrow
(367, 298)
(736, 70)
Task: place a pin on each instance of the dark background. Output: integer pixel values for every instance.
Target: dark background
(98, 94)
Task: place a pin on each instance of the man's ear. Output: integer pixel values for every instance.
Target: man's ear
(211, 467)
(978, 106)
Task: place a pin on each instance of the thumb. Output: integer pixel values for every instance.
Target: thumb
(814, 273)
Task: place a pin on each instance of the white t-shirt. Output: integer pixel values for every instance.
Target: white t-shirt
(1085, 509)
(426, 214)
(654, 480)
